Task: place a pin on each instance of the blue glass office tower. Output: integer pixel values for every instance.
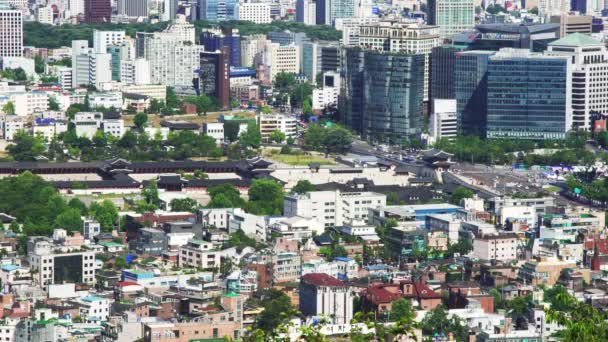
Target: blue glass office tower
(216, 39)
(529, 96)
(383, 94)
(217, 10)
(470, 89)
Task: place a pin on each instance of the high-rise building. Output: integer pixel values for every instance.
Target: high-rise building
(497, 36)
(324, 295)
(548, 8)
(217, 10)
(590, 65)
(470, 89)
(76, 7)
(529, 95)
(133, 8)
(441, 73)
(11, 35)
(383, 93)
(169, 10)
(215, 39)
(329, 10)
(443, 123)
(80, 62)
(97, 11)
(309, 62)
(573, 23)
(287, 37)
(103, 39)
(281, 58)
(399, 36)
(214, 75)
(452, 16)
(255, 12)
(172, 63)
(306, 12)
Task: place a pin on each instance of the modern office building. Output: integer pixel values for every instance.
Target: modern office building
(534, 37)
(400, 36)
(169, 10)
(573, 24)
(97, 11)
(214, 75)
(217, 10)
(56, 266)
(280, 58)
(255, 12)
(330, 10)
(548, 8)
(287, 37)
(383, 94)
(214, 39)
(443, 123)
(452, 16)
(282, 123)
(441, 72)
(590, 65)
(104, 39)
(470, 89)
(133, 8)
(306, 12)
(11, 21)
(529, 95)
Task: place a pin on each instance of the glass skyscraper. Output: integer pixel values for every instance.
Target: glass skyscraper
(529, 95)
(452, 16)
(470, 88)
(383, 94)
(217, 10)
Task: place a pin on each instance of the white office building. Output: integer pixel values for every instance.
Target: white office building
(306, 12)
(500, 247)
(282, 58)
(444, 120)
(44, 15)
(270, 123)
(214, 130)
(54, 266)
(103, 39)
(333, 208)
(133, 8)
(11, 21)
(324, 296)
(255, 12)
(590, 65)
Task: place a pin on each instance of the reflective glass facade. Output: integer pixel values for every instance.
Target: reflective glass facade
(470, 87)
(529, 97)
(384, 94)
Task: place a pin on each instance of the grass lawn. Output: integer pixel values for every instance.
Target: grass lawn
(302, 160)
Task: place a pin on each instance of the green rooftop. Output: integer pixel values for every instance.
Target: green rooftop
(576, 39)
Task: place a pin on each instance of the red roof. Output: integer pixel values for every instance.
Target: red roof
(380, 295)
(126, 283)
(602, 245)
(322, 279)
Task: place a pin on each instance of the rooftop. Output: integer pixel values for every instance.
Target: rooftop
(576, 39)
(322, 279)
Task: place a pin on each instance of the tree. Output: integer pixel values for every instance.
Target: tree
(26, 147)
(461, 193)
(314, 137)
(252, 137)
(582, 322)
(105, 213)
(437, 321)
(277, 311)
(171, 99)
(9, 108)
(69, 220)
(557, 296)
(519, 305)
(303, 186)
(225, 196)
(140, 121)
(290, 141)
(234, 102)
(53, 105)
(184, 204)
(156, 106)
(150, 193)
(277, 136)
(402, 309)
(265, 197)
(120, 262)
(337, 139)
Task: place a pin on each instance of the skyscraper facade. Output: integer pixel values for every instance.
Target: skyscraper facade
(441, 73)
(329, 10)
(11, 21)
(383, 95)
(470, 88)
(529, 95)
(216, 39)
(214, 75)
(97, 11)
(217, 10)
(452, 16)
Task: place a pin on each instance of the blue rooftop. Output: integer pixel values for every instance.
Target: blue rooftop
(345, 259)
(9, 268)
(91, 299)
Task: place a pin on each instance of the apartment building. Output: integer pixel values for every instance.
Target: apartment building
(500, 247)
(55, 265)
(324, 295)
(199, 253)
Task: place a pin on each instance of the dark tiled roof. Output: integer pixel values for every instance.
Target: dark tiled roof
(322, 279)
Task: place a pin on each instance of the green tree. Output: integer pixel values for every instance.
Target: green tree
(120, 262)
(225, 196)
(9, 108)
(337, 139)
(314, 137)
(437, 321)
(265, 197)
(76, 203)
(53, 104)
(277, 136)
(303, 186)
(519, 305)
(69, 220)
(277, 311)
(140, 121)
(402, 309)
(184, 204)
(582, 322)
(150, 193)
(557, 296)
(106, 213)
(252, 137)
(26, 147)
(461, 193)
